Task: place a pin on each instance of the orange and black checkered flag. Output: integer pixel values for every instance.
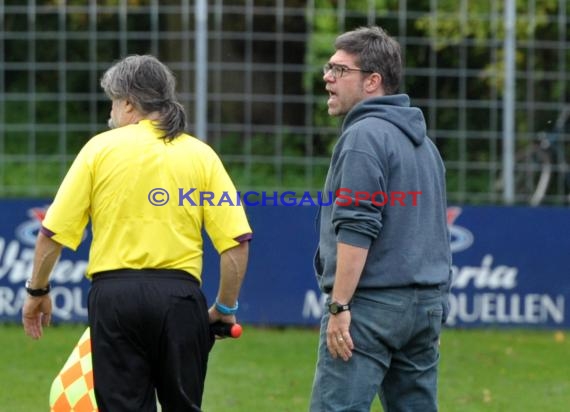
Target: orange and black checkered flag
(72, 390)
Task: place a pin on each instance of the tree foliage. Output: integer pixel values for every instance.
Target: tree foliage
(481, 23)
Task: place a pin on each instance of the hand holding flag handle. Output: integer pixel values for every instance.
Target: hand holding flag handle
(226, 330)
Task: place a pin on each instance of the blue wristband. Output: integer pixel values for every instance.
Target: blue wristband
(226, 310)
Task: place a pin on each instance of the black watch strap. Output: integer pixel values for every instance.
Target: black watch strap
(335, 307)
(37, 292)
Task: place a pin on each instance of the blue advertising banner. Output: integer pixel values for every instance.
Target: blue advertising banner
(511, 267)
(20, 222)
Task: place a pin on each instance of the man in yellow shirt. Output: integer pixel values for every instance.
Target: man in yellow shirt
(141, 184)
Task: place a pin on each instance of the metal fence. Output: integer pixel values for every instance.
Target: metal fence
(265, 99)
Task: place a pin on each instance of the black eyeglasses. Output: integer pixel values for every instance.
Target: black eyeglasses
(338, 70)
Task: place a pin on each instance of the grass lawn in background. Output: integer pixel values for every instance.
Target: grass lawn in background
(271, 370)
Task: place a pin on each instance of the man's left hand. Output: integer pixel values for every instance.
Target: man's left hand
(339, 341)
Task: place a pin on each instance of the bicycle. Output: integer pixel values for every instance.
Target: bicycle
(538, 163)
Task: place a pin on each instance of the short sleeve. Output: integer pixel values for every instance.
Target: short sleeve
(68, 214)
(224, 218)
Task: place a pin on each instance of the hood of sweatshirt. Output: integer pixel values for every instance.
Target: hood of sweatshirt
(394, 109)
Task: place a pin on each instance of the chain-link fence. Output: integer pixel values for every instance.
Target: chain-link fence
(266, 105)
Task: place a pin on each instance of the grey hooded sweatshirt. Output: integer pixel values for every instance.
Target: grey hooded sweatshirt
(383, 153)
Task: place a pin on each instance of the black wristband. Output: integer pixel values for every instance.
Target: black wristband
(37, 292)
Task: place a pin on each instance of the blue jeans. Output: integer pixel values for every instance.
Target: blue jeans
(396, 355)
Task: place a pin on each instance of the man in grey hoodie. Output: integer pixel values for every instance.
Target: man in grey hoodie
(383, 257)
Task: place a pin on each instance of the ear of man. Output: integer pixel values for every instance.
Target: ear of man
(373, 84)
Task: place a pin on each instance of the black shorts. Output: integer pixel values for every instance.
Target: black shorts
(149, 335)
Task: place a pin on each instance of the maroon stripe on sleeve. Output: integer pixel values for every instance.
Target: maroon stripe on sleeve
(46, 232)
(244, 237)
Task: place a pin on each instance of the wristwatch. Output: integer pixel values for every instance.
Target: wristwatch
(335, 308)
(37, 292)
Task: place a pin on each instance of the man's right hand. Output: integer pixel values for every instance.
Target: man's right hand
(36, 313)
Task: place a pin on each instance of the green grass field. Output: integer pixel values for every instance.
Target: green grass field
(272, 370)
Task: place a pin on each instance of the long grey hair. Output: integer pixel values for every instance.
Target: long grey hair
(150, 87)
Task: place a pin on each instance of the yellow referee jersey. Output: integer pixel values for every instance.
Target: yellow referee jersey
(148, 201)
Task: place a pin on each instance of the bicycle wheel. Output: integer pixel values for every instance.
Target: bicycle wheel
(532, 174)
